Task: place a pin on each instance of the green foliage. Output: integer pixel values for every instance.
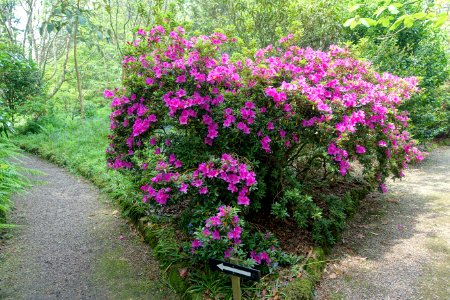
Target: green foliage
(258, 23)
(11, 180)
(297, 205)
(19, 83)
(405, 38)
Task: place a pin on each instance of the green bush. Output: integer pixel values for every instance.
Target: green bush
(414, 48)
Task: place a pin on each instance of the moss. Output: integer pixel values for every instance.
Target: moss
(178, 283)
(303, 288)
(315, 265)
(299, 289)
(434, 282)
(438, 244)
(117, 274)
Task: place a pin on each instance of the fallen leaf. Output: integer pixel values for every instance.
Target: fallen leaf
(114, 213)
(332, 276)
(392, 200)
(183, 272)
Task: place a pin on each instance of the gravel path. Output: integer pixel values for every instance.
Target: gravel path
(398, 246)
(72, 245)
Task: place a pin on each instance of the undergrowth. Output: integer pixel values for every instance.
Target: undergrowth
(11, 180)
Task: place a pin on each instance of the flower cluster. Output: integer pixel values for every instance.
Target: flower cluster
(238, 177)
(221, 231)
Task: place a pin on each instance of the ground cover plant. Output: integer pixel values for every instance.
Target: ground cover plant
(222, 138)
(11, 180)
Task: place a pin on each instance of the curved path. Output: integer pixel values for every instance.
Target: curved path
(71, 245)
(398, 247)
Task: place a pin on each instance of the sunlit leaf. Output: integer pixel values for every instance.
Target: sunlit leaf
(354, 7)
(384, 22)
(379, 11)
(349, 22)
(409, 22)
(392, 9)
(441, 19)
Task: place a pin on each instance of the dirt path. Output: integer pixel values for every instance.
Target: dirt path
(72, 245)
(398, 247)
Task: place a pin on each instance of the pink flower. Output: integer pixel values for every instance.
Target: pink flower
(360, 149)
(180, 79)
(196, 244)
(383, 188)
(244, 128)
(235, 233)
(216, 235)
(108, 94)
(382, 143)
(183, 188)
(228, 252)
(213, 221)
(265, 143)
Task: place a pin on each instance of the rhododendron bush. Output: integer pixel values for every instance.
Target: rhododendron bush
(199, 125)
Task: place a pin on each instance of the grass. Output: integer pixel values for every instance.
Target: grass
(11, 180)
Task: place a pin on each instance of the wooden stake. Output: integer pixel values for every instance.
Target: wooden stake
(236, 285)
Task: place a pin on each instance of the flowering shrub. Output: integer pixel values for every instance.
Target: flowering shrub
(197, 125)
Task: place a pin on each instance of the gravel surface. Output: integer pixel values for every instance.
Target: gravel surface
(73, 245)
(398, 246)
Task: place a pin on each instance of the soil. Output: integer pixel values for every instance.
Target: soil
(71, 243)
(398, 244)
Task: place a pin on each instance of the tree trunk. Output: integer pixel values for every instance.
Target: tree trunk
(77, 71)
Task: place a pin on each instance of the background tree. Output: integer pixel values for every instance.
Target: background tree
(19, 82)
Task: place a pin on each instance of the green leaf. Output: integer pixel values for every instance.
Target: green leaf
(41, 29)
(81, 20)
(420, 15)
(348, 22)
(385, 22)
(354, 7)
(392, 9)
(397, 22)
(408, 22)
(99, 35)
(50, 27)
(370, 21)
(440, 20)
(364, 22)
(379, 11)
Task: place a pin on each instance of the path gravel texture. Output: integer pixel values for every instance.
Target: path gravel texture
(73, 245)
(398, 246)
